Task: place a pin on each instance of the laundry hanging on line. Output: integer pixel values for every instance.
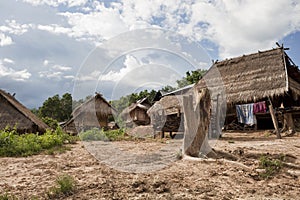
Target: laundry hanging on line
(245, 114)
(259, 107)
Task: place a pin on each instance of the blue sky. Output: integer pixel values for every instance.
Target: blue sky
(45, 44)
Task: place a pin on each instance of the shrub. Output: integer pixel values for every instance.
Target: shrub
(99, 134)
(65, 186)
(271, 166)
(52, 123)
(12, 144)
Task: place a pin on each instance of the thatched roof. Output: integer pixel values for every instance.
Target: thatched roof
(97, 103)
(171, 102)
(21, 110)
(168, 104)
(142, 104)
(249, 78)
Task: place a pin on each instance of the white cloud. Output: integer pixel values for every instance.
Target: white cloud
(236, 27)
(99, 24)
(55, 71)
(61, 68)
(50, 74)
(69, 77)
(9, 72)
(130, 64)
(56, 3)
(5, 40)
(7, 60)
(55, 29)
(239, 27)
(12, 27)
(93, 76)
(46, 62)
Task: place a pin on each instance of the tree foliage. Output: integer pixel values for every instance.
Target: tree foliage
(58, 108)
(125, 101)
(190, 78)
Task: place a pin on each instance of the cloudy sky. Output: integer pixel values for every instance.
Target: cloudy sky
(47, 47)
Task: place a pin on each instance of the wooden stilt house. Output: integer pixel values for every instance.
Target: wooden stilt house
(136, 113)
(266, 76)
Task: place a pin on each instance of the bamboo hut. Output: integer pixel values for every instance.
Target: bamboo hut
(14, 114)
(93, 113)
(136, 114)
(269, 76)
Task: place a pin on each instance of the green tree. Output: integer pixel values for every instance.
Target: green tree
(125, 101)
(195, 76)
(168, 88)
(191, 77)
(57, 108)
(35, 111)
(66, 106)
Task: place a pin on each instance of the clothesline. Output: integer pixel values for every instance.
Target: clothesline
(246, 112)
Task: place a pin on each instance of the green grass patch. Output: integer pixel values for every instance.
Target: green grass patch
(65, 185)
(270, 165)
(101, 135)
(12, 144)
(7, 196)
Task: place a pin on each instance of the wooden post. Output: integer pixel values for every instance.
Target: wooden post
(288, 123)
(274, 119)
(196, 123)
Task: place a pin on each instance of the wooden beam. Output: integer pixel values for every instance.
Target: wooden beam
(275, 122)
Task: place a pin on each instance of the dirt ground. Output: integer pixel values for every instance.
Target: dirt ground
(159, 174)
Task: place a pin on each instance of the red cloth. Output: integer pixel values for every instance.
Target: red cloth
(259, 107)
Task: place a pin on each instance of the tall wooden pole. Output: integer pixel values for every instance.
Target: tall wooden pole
(274, 119)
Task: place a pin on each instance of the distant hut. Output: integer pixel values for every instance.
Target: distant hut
(95, 112)
(136, 114)
(14, 114)
(167, 113)
(269, 76)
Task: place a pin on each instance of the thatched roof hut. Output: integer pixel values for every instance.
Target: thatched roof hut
(136, 113)
(95, 112)
(13, 113)
(251, 78)
(269, 76)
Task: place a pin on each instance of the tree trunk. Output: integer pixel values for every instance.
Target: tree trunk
(196, 123)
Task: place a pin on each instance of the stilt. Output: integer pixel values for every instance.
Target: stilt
(274, 119)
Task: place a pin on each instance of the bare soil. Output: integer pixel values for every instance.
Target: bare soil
(234, 175)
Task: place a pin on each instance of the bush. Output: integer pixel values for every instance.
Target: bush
(271, 166)
(52, 123)
(97, 135)
(65, 186)
(13, 144)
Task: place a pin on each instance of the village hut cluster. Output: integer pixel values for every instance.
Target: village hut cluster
(255, 91)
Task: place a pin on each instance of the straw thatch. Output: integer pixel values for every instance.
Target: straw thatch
(13, 113)
(166, 114)
(250, 78)
(136, 113)
(93, 113)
